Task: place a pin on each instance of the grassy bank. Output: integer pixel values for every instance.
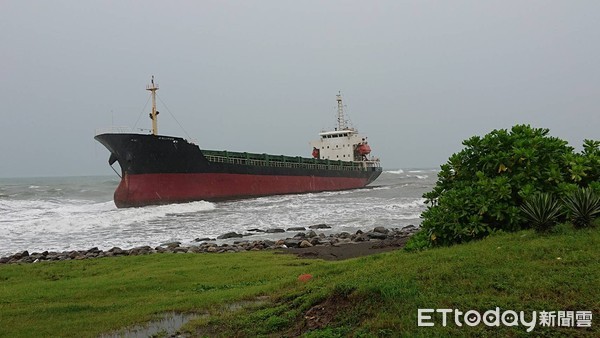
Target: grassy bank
(370, 296)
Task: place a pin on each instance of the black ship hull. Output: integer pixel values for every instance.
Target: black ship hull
(162, 169)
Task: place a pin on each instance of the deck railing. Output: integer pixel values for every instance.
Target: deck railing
(113, 130)
(282, 161)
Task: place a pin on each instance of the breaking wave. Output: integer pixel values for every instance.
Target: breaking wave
(78, 213)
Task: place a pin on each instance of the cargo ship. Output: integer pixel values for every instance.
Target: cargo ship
(160, 169)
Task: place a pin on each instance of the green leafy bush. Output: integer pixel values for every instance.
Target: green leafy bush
(480, 189)
(418, 241)
(584, 167)
(583, 206)
(542, 210)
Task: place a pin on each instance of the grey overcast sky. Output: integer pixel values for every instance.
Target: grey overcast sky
(418, 77)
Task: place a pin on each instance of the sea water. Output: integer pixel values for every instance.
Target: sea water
(77, 213)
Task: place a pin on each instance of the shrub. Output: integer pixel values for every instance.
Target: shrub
(480, 189)
(588, 163)
(583, 206)
(418, 241)
(542, 210)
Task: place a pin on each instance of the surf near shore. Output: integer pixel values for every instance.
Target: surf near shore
(74, 213)
(306, 243)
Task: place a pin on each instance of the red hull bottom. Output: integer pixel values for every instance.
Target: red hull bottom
(147, 189)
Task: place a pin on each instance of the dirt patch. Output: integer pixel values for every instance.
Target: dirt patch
(320, 315)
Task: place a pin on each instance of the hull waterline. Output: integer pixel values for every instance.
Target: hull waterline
(162, 170)
(149, 189)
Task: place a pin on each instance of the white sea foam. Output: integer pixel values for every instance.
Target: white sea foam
(66, 225)
(382, 188)
(83, 215)
(397, 172)
(421, 177)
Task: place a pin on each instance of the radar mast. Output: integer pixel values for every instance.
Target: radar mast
(341, 118)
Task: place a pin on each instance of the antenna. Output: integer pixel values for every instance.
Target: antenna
(153, 115)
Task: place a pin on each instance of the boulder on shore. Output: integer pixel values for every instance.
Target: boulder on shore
(381, 230)
(274, 230)
(305, 244)
(320, 226)
(232, 234)
(380, 237)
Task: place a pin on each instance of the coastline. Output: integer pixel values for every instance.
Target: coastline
(306, 244)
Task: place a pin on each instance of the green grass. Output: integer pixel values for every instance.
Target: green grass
(85, 298)
(370, 296)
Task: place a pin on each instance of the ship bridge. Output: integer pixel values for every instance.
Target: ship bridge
(342, 144)
(339, 145)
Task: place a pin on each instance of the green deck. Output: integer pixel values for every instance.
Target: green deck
(267, 160)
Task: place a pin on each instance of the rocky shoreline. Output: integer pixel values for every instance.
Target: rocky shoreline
(378, 238)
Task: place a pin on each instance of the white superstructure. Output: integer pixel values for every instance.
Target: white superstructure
(338, 145)
(344, 143)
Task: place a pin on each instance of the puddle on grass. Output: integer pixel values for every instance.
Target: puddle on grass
(165, 326)
(258, 301)
(168, 324)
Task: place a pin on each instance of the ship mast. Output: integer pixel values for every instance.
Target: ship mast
(153, 115)
(341, 120)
